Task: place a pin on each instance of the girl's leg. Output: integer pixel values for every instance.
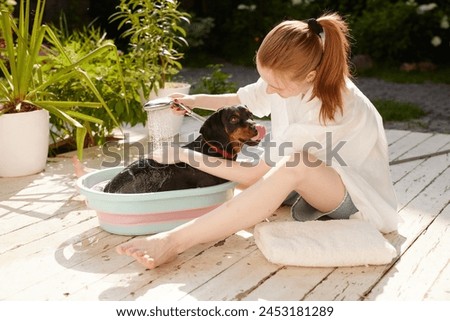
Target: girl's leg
(248, 208)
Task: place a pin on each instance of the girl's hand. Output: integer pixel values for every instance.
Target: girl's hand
(167, 154)
(186, 100)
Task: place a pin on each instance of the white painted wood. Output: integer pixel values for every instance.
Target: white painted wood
(416, 180)
(291, 283)
(126, 280)
(103, 260)
(196, 272)
(437, 142)
(399, 172)
(407, 142)
(248, 274)
(416, 218)
(40, 260)
(30, 233)
(432, 144)
(51, 247)
(420, 266)
(440, 289)
(392, 135)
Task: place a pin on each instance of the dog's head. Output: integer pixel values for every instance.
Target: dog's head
(229, 128)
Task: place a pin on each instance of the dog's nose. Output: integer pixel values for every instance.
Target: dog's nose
(253, 128)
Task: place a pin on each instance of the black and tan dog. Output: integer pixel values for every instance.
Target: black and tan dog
(222, 135)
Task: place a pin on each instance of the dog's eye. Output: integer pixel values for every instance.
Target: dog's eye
(234, 120)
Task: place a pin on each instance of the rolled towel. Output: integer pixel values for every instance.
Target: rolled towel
(330, 243)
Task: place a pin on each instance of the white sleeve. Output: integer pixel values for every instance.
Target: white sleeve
(254, 96)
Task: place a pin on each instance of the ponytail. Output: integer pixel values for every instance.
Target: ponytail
(333, 69)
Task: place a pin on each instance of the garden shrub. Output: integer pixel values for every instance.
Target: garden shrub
(388, 30)
(218, 82)
(401, 31)
(77, 44)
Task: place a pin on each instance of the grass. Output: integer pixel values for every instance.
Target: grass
(392, 110)
(393, 74)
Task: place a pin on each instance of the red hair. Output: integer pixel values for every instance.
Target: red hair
(295, 49)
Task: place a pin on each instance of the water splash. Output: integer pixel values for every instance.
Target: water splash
(162, 126)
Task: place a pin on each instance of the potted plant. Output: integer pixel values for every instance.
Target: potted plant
(25, 99)
(155, 37)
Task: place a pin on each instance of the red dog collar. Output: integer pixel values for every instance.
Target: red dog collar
(222, 152)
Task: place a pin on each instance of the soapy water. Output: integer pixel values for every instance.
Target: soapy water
(99, 187)
(162, 126)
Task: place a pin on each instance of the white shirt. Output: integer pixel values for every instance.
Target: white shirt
(354, 144)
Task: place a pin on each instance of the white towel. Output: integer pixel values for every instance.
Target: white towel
(331, 243)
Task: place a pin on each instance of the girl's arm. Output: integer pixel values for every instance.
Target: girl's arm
(245, 173)
(204, 101)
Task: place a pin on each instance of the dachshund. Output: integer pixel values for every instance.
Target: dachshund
(222, 135)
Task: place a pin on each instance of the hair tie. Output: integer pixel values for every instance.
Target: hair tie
(314, 26)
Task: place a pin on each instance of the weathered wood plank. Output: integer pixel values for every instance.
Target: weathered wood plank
(416, 180)
(420, 266)
(19, 265)
(417, 215)
(400, 171)
(440, 289)
(36, 213)
(128, 279)
(29, 257)
(43, 228)
(37, 200)
(31, 199)
(248, 273)
(407, 142)
(99, 260)
(291, 283)
(196, 272)
(393, 135)
(432, 144)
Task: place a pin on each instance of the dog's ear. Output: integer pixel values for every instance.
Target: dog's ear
(213, 128)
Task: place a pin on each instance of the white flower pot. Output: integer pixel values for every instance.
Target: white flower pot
(164, 124)
(24, 140)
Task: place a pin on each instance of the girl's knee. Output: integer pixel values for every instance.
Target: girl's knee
(299, 165)
(301, 161)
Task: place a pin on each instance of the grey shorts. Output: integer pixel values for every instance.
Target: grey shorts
(302, 211)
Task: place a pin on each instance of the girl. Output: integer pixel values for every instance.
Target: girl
(337, 165)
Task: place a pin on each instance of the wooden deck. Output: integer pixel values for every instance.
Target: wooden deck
(51, 247)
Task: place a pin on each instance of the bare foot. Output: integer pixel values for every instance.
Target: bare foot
(79, 169)
(150, 251)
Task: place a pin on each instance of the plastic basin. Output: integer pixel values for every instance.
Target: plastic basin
(148, 213)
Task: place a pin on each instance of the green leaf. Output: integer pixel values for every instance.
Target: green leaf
(62, 115)
(80, 136)
(85, 117)
(70, 104)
